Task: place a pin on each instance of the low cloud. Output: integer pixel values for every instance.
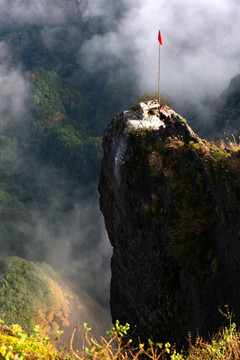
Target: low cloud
(15, 94)
(18, 12)
(200, 51)
(74, 241)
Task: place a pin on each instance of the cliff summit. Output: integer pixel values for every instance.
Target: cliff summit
(171, 206)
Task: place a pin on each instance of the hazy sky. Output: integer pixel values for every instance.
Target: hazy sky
(200, 52)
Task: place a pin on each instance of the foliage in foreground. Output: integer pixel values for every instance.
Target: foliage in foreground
(15, 344)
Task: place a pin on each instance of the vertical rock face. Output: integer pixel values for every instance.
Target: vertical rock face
(170, 203)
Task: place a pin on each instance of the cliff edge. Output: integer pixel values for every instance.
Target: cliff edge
(171, 206)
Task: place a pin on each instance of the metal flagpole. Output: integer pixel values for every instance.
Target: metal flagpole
(159, 76)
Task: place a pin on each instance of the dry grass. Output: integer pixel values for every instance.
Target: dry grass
(117, 346)
(176, 142)
(232, 144)
(225, 345)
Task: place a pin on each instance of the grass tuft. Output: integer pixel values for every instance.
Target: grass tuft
(15, 344)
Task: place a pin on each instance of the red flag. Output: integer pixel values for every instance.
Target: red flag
(160, 37)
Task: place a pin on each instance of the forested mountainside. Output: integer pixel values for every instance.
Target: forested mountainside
(171, 205)
(52, 114)
(226, 110)
(218, 119)
(34, 294)
(53, 110)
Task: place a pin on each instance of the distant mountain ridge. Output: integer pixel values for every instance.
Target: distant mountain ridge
(226, 109)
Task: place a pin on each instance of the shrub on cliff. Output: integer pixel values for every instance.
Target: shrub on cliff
(146, 96)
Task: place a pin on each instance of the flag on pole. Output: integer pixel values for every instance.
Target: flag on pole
(160, 37)
(160, 43)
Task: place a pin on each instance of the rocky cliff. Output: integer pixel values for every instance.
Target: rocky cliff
(171, 206)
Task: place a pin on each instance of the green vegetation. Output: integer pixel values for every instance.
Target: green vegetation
(23, 288)
(47, 88)
(16, 344)
(32, 294)
(72, 151)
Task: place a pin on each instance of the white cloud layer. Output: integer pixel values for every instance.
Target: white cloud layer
(15, 98)
(200, 51)
(21, 11)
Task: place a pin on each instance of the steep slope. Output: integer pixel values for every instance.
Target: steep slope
(227, 108)
(224, 113)
(171, 207)
(33, 294)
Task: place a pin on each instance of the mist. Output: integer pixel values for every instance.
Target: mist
(62, 227)
(21, 12)
(15, 96)
(68, 233)
(199, 56)
(200, 52)
(71, 237)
